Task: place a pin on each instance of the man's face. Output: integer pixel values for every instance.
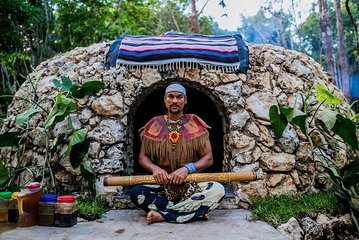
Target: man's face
(175, 102)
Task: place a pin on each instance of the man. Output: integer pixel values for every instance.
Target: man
(173, 146)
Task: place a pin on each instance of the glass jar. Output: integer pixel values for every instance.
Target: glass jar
(65, 211)
(47, 210)
(13, 210)
(4, 205)
(28, 203)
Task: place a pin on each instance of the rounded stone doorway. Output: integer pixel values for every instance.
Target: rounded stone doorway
(198, 103)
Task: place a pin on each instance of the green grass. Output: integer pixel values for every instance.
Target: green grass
(277, 210)
(91, 208)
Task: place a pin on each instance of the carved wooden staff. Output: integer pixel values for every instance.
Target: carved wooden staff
(195, 177)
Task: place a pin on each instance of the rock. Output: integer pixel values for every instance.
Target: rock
(287, 81)
(85, 115)
(239, 119)
(260, 80)
(192, 74)
(299, 69)
(227, 78)
(150, 76)
(116, 152)
(211, 80)
(241, 142)
(242, 158)
(304, 152)
(312, 230)
(265, 136)
(252, 128)
(275, 179)
(291, 229)
(228, 93)
(282, 162)
(108, 105)
(106, 165)
(246, 168)
(289, 140)
(45, 85)
(285, 186)
(94, 149)
(248, 191)
(107, 132)
(259, 104)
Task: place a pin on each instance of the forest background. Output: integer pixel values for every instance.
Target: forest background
(35, 30)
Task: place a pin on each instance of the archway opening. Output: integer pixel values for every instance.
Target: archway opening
(200, 104)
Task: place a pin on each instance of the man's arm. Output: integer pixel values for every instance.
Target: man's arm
(159, 174)
(204, 162)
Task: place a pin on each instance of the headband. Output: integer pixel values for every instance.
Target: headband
(175, 87)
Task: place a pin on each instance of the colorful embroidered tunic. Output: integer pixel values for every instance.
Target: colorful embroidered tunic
(158, 146)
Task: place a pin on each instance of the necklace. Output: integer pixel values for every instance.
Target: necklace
(174, 134)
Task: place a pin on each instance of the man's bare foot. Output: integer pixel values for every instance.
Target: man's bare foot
(206, 217)
(153, 217)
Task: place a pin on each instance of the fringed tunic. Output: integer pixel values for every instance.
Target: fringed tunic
(158, 147)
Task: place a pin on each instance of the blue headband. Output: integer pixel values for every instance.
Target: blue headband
(176, 88)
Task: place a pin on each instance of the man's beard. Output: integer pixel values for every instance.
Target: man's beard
(178, 110)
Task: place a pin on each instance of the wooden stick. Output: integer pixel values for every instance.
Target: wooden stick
(195, 177)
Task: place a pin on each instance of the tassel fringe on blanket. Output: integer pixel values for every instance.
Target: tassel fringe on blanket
(173, 51)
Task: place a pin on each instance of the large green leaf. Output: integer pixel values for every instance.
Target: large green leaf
(278, 121)
(65, 84)
(77, 137)
(323, 95)
(10, 139)
(78, 152)
(328, 117)
(88, 173)
(87, 89)
(61, 109)
(4, 175)
(58, 140)
(346, 129)
(350, 173)
(25, 115)
(355, 219)
(301, 122)
(287, 112)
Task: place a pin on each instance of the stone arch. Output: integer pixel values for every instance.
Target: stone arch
(201, 101)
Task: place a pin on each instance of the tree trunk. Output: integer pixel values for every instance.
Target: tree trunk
(356, 34)
(194, 17)
(343, 61)
(327, 36)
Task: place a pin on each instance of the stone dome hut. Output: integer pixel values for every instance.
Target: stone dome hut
(234, 104)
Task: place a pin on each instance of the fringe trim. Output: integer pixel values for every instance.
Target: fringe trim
(180, 64)
(185, 150)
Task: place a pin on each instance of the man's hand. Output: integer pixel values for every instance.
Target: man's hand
(161, 176)
(178, 176)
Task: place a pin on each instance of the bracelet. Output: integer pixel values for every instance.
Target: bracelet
(191, 167)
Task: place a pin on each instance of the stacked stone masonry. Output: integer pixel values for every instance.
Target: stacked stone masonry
(276, 75)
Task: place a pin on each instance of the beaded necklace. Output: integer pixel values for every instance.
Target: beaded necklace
(174, 134)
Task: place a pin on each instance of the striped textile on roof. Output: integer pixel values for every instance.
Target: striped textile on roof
(173, 50)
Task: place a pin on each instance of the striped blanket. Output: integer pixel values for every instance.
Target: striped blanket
(173, 50)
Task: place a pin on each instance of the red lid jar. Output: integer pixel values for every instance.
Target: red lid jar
(65, 211)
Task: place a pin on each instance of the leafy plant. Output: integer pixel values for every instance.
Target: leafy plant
(277, 210)
(64, 105)
(345, 180)
(91, 208)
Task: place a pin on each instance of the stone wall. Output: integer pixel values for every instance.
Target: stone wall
(275, 75)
